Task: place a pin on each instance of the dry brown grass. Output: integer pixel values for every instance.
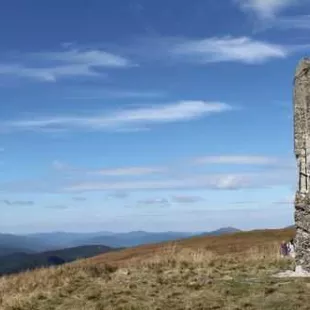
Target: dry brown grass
(234, 273)
(222, 245)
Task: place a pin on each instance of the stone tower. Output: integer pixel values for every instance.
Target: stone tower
(302, 153)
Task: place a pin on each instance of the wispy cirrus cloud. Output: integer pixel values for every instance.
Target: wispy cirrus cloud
(224, 181)
(91, 58)
(229, 49)
(50, 66)
(186, 199)
(79, 199)
(119, 195)
(46, 74)
(60, 166)
(137, 185)
(237, 160)
(288, 200)
(18, 202)
(245, 202)
(129, 171)
(122, 180)
(266, 8)
(57, 207)
(208, 50)
(268, 13)
(291, 22)
(162, 202)
(129, 118)
(95, 94)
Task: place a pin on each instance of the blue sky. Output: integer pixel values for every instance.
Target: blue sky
(148, 115)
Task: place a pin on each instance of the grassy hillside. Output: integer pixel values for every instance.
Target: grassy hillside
(222, 245)
(227, 272)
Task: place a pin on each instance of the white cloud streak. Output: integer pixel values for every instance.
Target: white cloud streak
(266, 8)
(51, 66)
(132, 171)
(57, 207)
(129, 171)
(289, 200)
(154, 202)
(292, 22)
(46, 74)
(119, 195)
(95, 94)
(90, 58)
(156, 114)
(18, 203)
(215, 182)
(79, 199)
(186, 199)
(60, 166)
(124, 179)
(237, 160)
(228, 49)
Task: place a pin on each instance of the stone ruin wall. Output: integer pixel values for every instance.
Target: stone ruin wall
(302, 153)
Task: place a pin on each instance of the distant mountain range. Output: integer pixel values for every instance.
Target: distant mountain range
(23, 252)
(221, 231)
(39, 242)
(13, 243)
(20, 261)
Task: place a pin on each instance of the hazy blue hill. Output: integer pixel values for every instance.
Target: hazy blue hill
(10, 250)
(57, 240)
(21, 243)
(18, 262)
(40, 242)
(291, 227)
(136, 238)
(221, 231)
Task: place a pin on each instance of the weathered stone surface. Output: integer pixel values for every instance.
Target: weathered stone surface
(302, 152)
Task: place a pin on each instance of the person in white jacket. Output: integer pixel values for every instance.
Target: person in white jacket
(291, 248)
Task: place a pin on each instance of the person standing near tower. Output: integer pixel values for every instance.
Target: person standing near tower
(291, 248)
